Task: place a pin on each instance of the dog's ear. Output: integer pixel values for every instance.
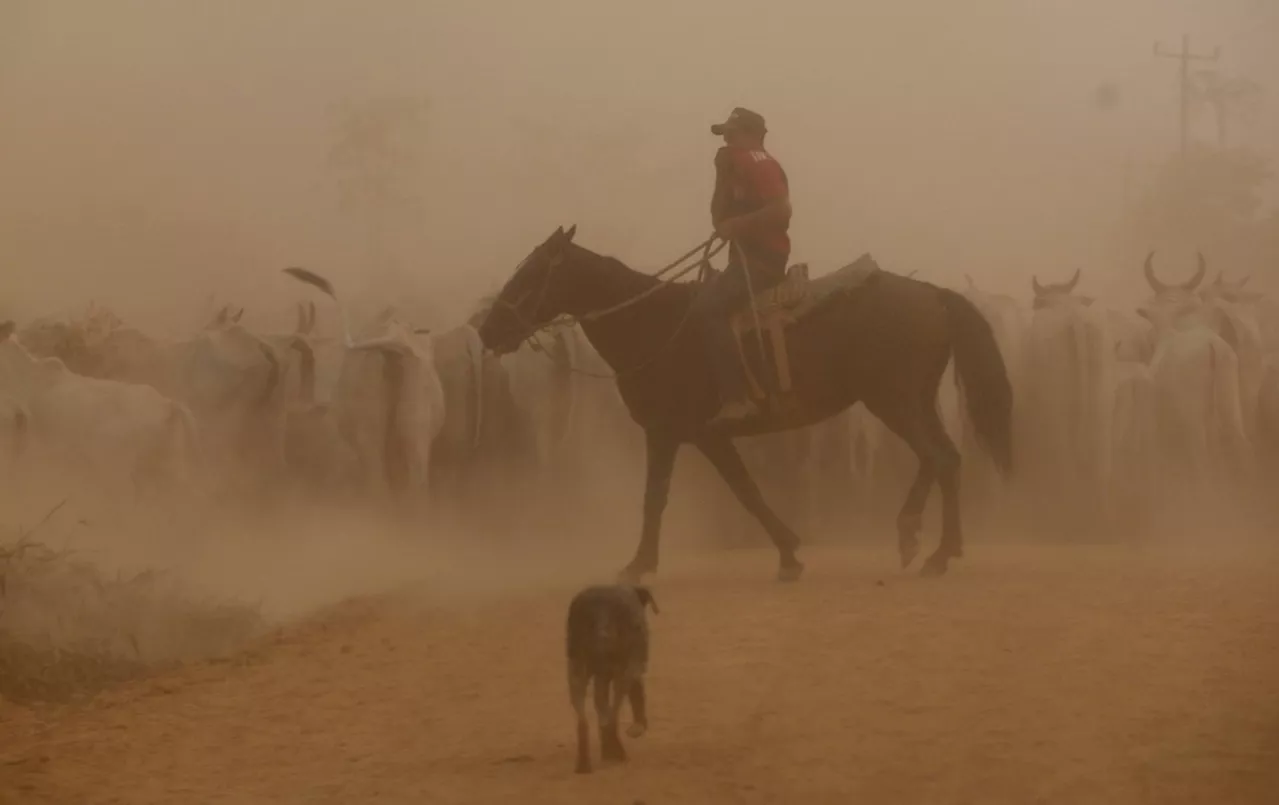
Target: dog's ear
(646, 597)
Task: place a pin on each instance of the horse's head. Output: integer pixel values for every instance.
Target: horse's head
(531, 298)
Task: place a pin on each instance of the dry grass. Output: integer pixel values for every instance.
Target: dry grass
(68, 629)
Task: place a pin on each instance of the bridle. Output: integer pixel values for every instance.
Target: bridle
(533, 330)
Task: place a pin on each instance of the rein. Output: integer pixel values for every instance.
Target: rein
(703, 262)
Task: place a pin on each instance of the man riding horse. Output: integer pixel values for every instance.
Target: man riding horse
(866, 335)
(751, 207)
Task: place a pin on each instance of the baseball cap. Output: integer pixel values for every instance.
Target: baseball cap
(741, 119)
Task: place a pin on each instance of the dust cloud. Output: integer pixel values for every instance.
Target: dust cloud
(164, 159)
(153, 156)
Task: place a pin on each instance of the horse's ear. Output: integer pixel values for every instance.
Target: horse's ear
(568, 235)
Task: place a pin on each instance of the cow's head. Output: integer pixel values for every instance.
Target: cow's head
(225, 318)
(1171, 302)
(1230, 291)
(1057, 294)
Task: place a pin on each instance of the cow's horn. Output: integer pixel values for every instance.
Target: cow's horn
(1149, 272)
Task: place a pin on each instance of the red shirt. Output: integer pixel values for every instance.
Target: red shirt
(755, 178)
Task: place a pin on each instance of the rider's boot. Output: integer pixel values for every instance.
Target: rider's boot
(728, 372)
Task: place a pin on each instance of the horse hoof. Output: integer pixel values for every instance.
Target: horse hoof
(907, 556)
(635, 730)
(791, 572)
(613, 752)
(582, 768)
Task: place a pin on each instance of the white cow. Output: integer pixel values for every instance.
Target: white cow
(1261, 307)
(487, 440)
(235, 382)
(545, 385)
(1065, 413)
(119, 437)
(1195, 373)
(297, 353)
(387, 404)
(1134, 444)
(459, 357)
(1230, 311)
(1132, 336)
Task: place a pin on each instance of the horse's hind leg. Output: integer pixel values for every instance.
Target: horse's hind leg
(910, 426)
(725, 458)
(947, 464)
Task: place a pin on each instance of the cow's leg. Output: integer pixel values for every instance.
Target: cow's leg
(660, 460)
(725, 458)
(909, 425)
(606, 715)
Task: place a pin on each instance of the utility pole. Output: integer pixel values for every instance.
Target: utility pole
(1185, 57)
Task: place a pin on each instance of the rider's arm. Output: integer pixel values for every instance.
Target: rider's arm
(720, 198)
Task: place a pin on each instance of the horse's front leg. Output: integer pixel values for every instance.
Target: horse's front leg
(728, 462)
(660, 458)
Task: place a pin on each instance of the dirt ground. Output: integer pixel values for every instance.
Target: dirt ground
(1028, 675)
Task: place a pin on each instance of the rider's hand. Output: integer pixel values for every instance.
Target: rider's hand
(727, 228)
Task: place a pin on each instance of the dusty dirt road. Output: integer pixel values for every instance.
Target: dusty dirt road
(1042, 675)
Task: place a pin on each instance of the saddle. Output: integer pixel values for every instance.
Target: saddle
(777, 308)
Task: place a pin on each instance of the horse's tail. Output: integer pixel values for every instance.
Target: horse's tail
(980, 368)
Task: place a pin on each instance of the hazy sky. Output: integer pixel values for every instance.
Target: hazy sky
(152, 153)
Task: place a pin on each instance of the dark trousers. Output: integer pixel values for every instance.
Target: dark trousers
(723, 295)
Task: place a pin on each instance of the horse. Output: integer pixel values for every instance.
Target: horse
(868, 335)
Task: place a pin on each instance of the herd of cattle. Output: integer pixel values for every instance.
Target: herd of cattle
(385, 412)
(1112, 407)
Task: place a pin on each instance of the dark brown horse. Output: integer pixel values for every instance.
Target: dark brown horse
(885, 342)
